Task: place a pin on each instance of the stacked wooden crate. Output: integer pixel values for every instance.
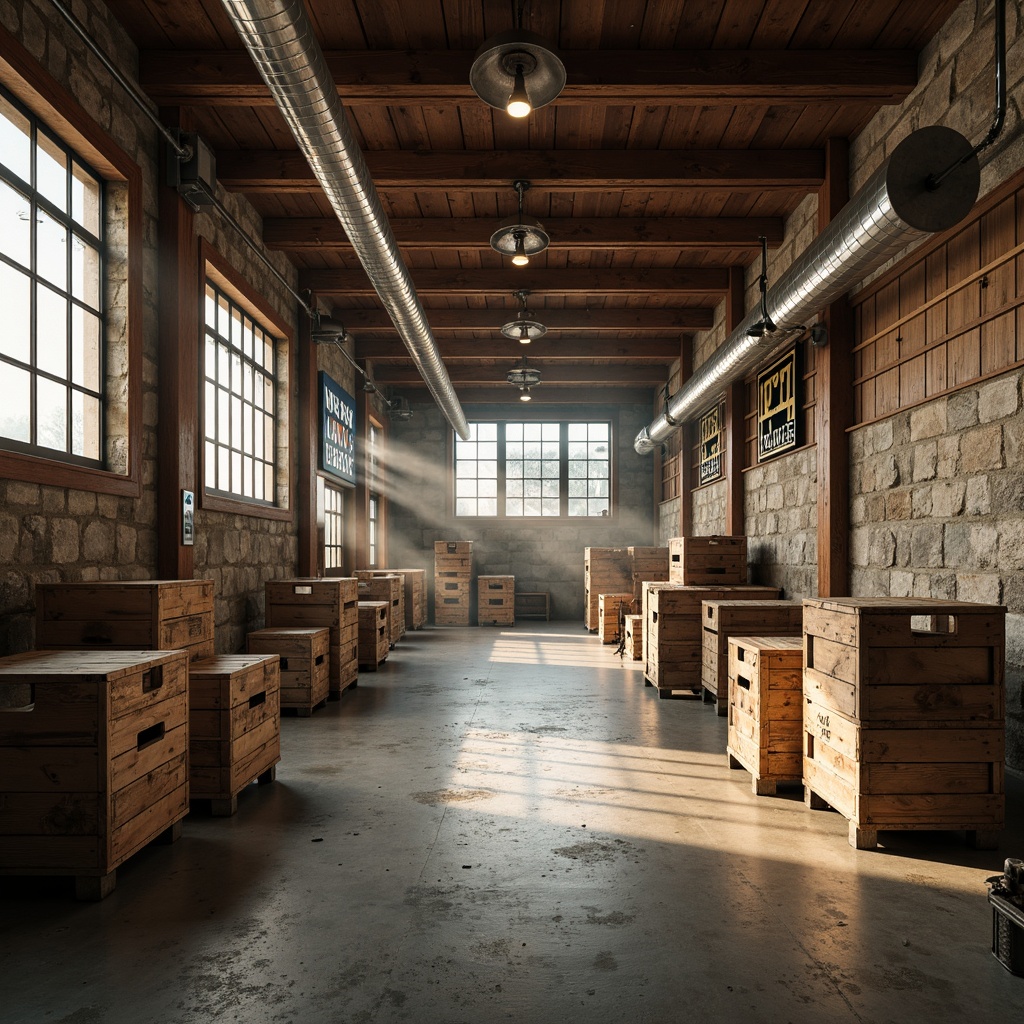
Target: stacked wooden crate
(234, 726)
(605, 571)
(374, 635)
(415, 592)
(305, 664)
(453, 569)
(673, 628)
(706, 561)
(649, 565)
(389, 588)
(495, 600)
(635, 637)
(904, 704)
(766, 709)
(609, 613)
(93, 760)
(318, 603)
(723, 619)
(160, 615)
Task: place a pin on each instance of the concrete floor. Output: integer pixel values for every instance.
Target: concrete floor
(507, 825)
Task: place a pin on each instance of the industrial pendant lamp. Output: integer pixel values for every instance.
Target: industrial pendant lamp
(517, 71)
(524, 328)
(521, 237)
(523, 377)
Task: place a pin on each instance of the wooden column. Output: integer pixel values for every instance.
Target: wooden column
(735, 524)
(685, 448)
(361, 502)
(178, 433)
(833, 411)
(308, 495)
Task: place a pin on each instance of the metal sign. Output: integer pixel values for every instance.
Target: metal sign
(710, 466)
(337, 430)
(778, 420)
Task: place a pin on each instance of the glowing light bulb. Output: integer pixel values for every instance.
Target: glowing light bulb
(525, 396)
(524, 334)
(519, 101)
(519, 257)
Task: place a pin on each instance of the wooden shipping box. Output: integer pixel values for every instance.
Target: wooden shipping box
(234, 726)
(392, 590)
(904, 715)
(765, 705)
(609, 606)
(374, 633)
(159, 615)
(496, 600)
(605, 571)
(723, 619)
(706, 561)
(453, 547)
(94, 764)
(304, 656)
(415, 590)
(635, 637)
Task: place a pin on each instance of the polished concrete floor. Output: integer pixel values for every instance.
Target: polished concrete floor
(507, 825)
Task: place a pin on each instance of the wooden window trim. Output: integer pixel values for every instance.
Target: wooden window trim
(23, 76)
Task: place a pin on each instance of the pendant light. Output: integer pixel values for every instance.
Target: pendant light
(521, 237)
(524, 328)
(517, 71)
(524, 377)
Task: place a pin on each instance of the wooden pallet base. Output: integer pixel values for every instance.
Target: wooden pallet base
(721, 705)
(675, 693)
(763, 785)
(225, 807)
(93, 888)
(306, 710)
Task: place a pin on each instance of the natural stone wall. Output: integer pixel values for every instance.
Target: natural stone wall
(544, 555)
(668, 520)
(781, 512)
(709, 509)
(938, 511)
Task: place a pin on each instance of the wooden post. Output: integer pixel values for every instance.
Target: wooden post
(361, 504)
(309, 508)
(178, 433)
(735, 524)
(685, 448)
(833, 411)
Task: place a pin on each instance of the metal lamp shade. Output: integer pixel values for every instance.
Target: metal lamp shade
(514, 329)
(523, 377)
(493, 74)
(535, 238)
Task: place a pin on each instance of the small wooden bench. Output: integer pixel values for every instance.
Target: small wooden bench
(532, 605)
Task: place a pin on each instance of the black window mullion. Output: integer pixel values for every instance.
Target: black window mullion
(563, 470)
(502, 511)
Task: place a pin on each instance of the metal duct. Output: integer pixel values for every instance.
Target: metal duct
(279, 37)
(895, 207)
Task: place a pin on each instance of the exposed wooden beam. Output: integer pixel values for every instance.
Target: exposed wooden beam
(657, 350)
(563, 170)
(644, 77)
(540, 281)
(317, 233)
(554, 373)
(545, 394)
(696, 318)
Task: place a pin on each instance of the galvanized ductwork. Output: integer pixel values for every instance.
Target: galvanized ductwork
(280, 39)
(897, 206)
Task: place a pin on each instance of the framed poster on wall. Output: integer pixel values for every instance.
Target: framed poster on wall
(778, 420)
(337, 430)
(710, 466)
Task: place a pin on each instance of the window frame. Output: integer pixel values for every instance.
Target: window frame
(65, 119)
(334, 524)
(601, 415)
(213, 267)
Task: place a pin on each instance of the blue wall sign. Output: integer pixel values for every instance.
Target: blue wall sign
(337, 430)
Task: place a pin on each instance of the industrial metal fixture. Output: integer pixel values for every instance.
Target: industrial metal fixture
(524, 328)
(280, 39)
(327, 331)
(517, 71)
(521, 237)
(398, 408)
(524, 377)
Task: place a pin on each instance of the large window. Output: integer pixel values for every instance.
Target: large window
(240, 402)
(334, 527)
(51, 279)
(531, 469)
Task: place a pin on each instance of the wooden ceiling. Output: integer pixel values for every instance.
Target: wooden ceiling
(686, 129)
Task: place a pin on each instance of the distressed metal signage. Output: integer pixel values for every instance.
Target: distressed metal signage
(337, 430)
(710, 467)
(778, 421)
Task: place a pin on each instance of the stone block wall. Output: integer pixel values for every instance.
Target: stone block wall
(542, 556)
(709, 503)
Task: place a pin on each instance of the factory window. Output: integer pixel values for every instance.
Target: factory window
(240, 403)
(334, 527)
(534, 469)
(52, 267)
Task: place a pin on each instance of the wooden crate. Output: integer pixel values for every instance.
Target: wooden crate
(723, 619)
(451, 611)
(765, 706)
(318, 603)
(649, 565)
(305, 664)
(609, 606)
(532, 604)
(605, 571)
(635, 637)
(706, 561)
(153, 615)
(453, 547)
(495, 600)
(234, 726)
(389, 588)
(93, 764)
(453, 556)
(415, 592)
(904, 704)
(374, 634)
(673, 628)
